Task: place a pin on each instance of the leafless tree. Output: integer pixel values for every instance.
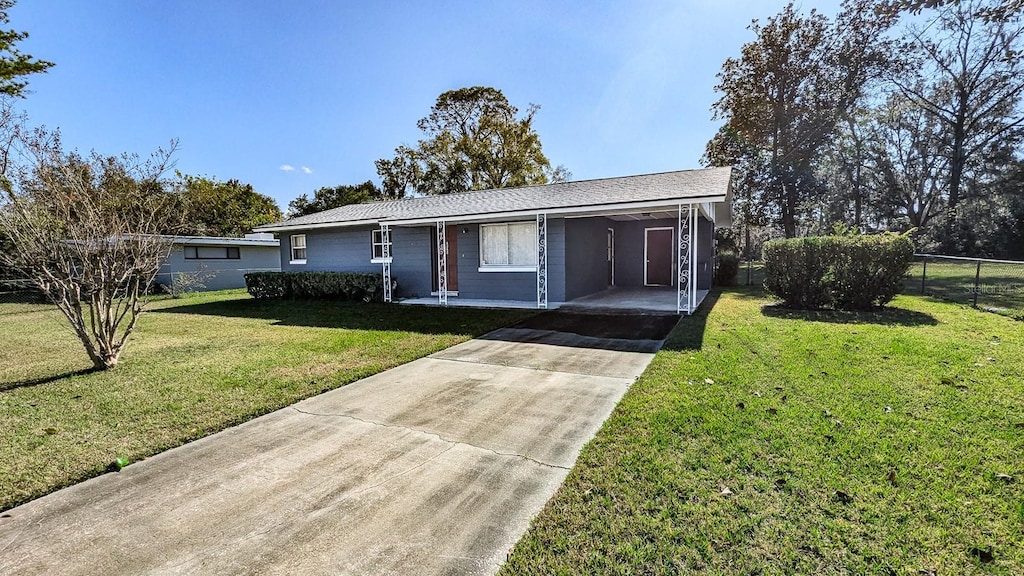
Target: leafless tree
(971, 80)
(906, 164)
(86, 230)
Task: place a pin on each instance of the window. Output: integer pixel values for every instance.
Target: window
(298, 248)
(377, 246)
(508, 247)
(212, 253)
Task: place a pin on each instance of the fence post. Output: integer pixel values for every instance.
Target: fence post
(924, 272)
(977, 278)
(748, 270)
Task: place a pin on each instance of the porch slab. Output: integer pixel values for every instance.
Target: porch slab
(649, 299)
(456, 302)
(642, 300)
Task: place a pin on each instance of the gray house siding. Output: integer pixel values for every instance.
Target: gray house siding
(576, 251)
(510, 285)
(411, 261)
(586, 256)
(629, 249)
(344, 250)
(220, 274)
(351, 250)
(705, 253)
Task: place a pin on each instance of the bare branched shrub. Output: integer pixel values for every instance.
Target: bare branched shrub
(88, 232)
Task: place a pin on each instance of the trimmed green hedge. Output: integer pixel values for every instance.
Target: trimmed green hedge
(315, 285)
(857, 272)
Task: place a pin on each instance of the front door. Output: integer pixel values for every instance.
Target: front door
(658, 256)
(451, 234)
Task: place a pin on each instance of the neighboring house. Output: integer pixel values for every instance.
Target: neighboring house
(218, 263)
(536, 246)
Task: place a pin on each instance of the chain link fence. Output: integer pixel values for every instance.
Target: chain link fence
(20, 293)
(992, 285)
(751, 273)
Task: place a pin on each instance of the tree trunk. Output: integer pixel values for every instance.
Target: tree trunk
(789, 210)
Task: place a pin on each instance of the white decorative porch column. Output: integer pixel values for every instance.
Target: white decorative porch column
(385, 237)
(442, 264)
(684, 268)
(542, 260)
(693, 257)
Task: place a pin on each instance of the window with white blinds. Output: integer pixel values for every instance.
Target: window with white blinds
(508, 247)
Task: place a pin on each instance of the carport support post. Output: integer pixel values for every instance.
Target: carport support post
(683, 260)
(542, 260)
(693, 257)
(442, 264)
(385, 238)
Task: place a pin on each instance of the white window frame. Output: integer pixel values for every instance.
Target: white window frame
(377, 240)
(292, 245)
(194, 249)
(506, 267)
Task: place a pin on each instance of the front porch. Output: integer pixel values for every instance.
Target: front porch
(650, 299)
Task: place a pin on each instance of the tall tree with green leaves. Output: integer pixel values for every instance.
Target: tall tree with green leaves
(474, 139)
(332, 197)
(14, 65)
(224, 208)
(783, 97)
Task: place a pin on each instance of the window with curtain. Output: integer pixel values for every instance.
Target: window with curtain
(298, 242)
(508, 246)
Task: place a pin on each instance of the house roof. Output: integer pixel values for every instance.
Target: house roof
(607, 195)
(250, 240)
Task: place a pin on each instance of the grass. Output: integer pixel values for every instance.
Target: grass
(194, 366)
(764, 441)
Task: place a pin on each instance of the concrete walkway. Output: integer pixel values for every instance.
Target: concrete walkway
(434, 467)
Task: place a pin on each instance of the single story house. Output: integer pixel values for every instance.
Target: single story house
(648, 236)
(219, 263)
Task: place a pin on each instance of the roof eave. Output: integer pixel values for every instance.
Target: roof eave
(594, 209)
(282, 227)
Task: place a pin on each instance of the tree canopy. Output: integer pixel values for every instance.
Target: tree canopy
(783, 97)
(14, 65)
(224, 208)
(332, 197)
(473, 139)
(861, 123)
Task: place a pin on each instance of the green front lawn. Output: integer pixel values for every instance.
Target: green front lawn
(194, 366)
(762, 441)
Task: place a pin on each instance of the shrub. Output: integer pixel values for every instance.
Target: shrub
(315, 285)
(852, 272)
(727, 266)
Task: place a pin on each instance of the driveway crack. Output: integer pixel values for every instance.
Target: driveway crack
(435, 435)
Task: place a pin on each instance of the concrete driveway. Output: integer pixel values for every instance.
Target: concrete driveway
(434, 467)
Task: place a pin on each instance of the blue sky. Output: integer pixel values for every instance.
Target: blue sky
(327, 87)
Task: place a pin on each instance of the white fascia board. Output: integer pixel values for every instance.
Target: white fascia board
(594, 210)
(200, 240)
(343, 224)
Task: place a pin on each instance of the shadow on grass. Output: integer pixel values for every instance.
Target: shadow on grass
(884, 316)
(356, 315)
(8, 386)
(689, 332)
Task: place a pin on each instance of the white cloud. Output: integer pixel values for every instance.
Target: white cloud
(307, 169)
(287, 167)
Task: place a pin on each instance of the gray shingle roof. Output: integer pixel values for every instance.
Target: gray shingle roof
(666, 186)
